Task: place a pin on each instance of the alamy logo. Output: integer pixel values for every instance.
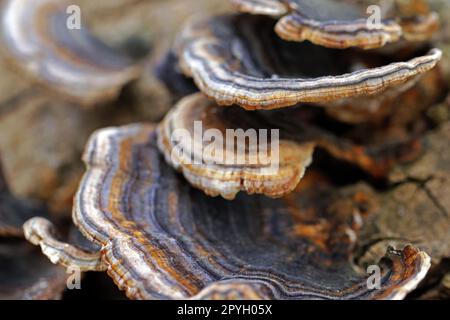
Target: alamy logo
(374, 280)
(236, 147)
(376, 12)
(74, 279)
(73, 21)
(374, 20)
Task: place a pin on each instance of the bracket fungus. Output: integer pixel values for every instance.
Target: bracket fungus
(397, 106)
(161, 238)
(231, 165)
(41, 232)
(36, 39)
(343, 24)
(17, 279)
(218, 158)
(237, 59)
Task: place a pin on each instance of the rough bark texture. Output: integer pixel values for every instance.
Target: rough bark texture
(416, 209)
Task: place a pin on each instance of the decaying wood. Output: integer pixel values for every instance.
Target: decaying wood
(417, 208)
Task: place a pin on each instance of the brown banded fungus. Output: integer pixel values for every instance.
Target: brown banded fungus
(41, 232)
(397, 107)
(230, 166)
(267, 169)
(237, 59)
(36, 39)
(343, 24)
(161, 238)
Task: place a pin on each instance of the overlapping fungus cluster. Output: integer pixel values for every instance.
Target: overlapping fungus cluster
(361, 170)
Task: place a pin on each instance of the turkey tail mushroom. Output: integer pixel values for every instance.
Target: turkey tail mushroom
(259, 152)
(250, 161)
(41, 232)
(229, 60)
(344, 24)
(162, 239)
